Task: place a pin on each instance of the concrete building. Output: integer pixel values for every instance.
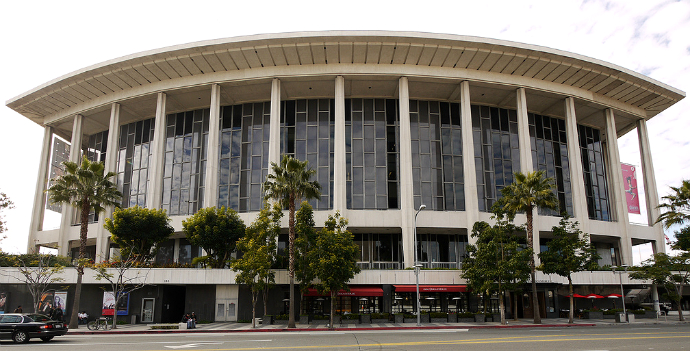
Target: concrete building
(389, 120)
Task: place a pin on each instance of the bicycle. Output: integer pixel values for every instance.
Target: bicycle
(103, 323)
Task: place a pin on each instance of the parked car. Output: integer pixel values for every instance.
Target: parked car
(21, 327)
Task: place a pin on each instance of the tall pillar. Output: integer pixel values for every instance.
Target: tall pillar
(111, 152)
(212, 153)
(526, 165)
(39, 194)
(468, 166)
(617, 187)
(651, 194)
(577, 180)
(339, 152)
(154, 192)
(407, 209)
(67, 209)
(274, 143)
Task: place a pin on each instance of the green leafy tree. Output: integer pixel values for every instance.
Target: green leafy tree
(305, 244)
(88, 188)
(499, 262)
(335, 259)
(671, 272)
(523, 195)
(682, 242)
(139, 231)
(124, 273)
(569, 252)
(677, 206)
(258, 248)
(217, 231)
(289, 183)
(5, 204)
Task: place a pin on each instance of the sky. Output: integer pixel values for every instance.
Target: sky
(43, 40)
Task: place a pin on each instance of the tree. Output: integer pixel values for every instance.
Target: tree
(138, 231)
(525, 193)
(5, 204)
(87, 188)
(671, 272)
(569, 252)
(335, 259)
(305, 244)
(289, 183)
(116, 271)
(499, 262)
(258, 248)
(677, 206)
(38, 271)
(217, 231)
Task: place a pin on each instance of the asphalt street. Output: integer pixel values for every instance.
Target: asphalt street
(642, 337)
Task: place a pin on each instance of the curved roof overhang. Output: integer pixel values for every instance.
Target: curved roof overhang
(348, 53)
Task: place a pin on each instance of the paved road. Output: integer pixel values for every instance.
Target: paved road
(643, 337)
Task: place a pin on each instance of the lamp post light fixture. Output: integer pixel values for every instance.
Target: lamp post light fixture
(620, 276)
(417, 266)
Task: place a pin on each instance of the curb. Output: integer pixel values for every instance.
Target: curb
(325, 329)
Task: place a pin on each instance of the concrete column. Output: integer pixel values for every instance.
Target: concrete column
(274, 143)
(618, 204)
(407, 209)
(468, 167)
(651, 194)
(212, 153)
(67, 209)
(111, 153)
(526, 165)
(39, 194)
(154, 193)
(577, 180)
(339, 152)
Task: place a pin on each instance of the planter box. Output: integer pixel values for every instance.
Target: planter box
(267, 320)
(609, 316)
(647, 314)
(497, 317)
(411, 320)
(452, 318)
(380, 321)
(465, 320)
(281, 321)
(594, 315)
(303, 319)
(365, 319)
(479, 318)
(347, 321)
(439, 320)
(399, 318)
(425, 318)
(631, 317)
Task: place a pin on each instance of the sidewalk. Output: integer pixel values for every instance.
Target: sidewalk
(232, 327)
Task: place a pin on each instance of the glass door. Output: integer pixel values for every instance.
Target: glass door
(147, 307)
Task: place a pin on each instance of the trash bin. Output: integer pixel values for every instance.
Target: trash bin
(134, 319)
(631, 317)
(620, 317)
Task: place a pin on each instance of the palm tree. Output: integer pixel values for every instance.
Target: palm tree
(526, 192)
(677, 206)
(88, 189)
(289, 183)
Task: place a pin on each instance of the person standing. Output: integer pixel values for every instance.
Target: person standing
(18, 309)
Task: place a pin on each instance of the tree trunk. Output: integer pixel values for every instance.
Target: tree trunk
(332, 326)
(532, 266)
(515, 306)
(266, 300)
(84, 228)
(502, 306)
(291, 266)
(571, 313)
(254, 298)
(680, 308)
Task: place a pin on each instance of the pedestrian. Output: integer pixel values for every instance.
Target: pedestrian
(18, 309)
(83, 317)
(193, 318)
(190, 322)
(57, 314)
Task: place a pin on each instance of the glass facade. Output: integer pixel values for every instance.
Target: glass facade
(437, 155)
(371, 143)
(133, 157)
(244, 137)
(379, 251)
(59, 154)
(97, 146)
(496, 151)
(550, 154)
(185, 162)
(594, 172)
(441, 250)
(307, 130)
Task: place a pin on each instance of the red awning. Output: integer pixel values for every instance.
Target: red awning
(430, 288)
(354, 291)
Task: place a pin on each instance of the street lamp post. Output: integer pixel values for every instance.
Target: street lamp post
(620, 276)
(416, 266)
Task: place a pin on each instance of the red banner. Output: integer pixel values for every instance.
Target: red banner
(630, 182)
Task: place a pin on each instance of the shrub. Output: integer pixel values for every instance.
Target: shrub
(438, 315)
(351, 316)
(465, 315)
(282, 317)
(380, 315)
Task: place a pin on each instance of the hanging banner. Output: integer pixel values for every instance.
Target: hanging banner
(630, 183)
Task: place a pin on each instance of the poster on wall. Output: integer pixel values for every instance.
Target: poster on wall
(60, 301)
(109, 304)
(630, 182)
(4, 300)
(45, 304)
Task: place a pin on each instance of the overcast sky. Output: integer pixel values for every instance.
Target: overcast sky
(42, 40)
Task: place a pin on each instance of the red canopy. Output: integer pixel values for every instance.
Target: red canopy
(354, 291)
(578, 295)
(613, 296)
(430, 288)
(594, 296)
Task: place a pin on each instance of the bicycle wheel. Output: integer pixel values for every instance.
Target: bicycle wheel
(92, 325)
(108, 325)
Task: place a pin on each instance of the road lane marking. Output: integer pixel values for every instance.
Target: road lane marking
(189, 346)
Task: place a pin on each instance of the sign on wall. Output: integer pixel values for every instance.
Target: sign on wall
(109, 304)
(630, 183)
